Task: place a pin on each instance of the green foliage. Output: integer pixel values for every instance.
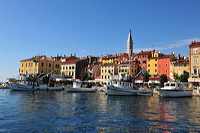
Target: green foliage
(176, 77)
(84, 76)
(163, 79)
(182, 78)
(146, 77)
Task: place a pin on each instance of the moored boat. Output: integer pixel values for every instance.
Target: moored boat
(175, 89)
(120, 88)
(144, 92)
(81, 87)
(22, 87)
(30, 87)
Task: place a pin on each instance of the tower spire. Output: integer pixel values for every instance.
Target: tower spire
(129, 45)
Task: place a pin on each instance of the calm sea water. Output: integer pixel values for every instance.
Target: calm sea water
(59, 111)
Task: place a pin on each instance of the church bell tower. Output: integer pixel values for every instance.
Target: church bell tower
(129, 45)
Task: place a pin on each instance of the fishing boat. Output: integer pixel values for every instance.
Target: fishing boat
(22, 87)
(81, 87)
(120, 88)
(175, 89)
(30, 87)
(144, 92)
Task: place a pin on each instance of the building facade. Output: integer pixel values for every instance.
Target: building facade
(39, 65)
(194, 57)
(73, 67)
(108, 70)
(164, 65)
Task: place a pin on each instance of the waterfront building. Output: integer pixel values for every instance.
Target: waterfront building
(128, 69)
(39, 65)
(152, 64)
(142, 58)
(164, 65)
(179, 66)
(194, 58)
(109, 70)
(109, 59)
(73, 67)
(64, 58)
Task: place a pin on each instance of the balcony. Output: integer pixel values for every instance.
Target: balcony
(195, 75)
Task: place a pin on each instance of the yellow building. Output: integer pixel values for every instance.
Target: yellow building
(194, 57)
(109, 59)
(152, 64)
(128, 69)
(108, 70)
(178, 67)
(38, 65)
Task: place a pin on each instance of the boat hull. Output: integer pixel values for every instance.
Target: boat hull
(117, 91)
(144, 92)
(72, 89)
(25, 87)
(175, 93)
(22, 87)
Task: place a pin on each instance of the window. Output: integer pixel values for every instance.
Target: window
(49, 65)
(155, 70)
(42, 65)
(148, 65)
(144, 62)
(195, 50)
(148, 70)
(155, 65)
(57, 65)
(195, 59)
(195, 70)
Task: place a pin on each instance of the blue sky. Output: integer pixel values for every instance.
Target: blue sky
(93, 27)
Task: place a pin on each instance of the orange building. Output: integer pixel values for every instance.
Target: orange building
(164, 65)
(142, 58)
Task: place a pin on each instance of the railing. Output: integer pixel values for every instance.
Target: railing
(195, 75)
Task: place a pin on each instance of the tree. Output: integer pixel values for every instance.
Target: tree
(83, 76)
(163, 79)
(146, 77)
(176, 76)
(184, 77)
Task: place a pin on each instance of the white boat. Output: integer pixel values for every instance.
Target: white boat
(49, 88)
(144, 92)
(22, 87)
(81, 87)
(27, 87)
(120, 88)
(175, 89)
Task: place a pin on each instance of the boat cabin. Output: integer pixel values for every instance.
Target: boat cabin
(175, 86)
(122, 84)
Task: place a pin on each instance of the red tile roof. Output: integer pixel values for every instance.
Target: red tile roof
(39, 58)
(194, 43)
(71, 61)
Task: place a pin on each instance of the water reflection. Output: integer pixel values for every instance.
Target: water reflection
(59, 111)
